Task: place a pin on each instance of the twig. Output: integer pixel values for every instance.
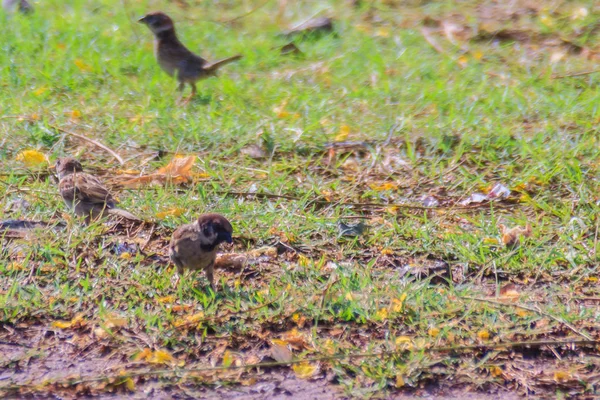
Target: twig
(535, 310)
(244, 15)
(92, 141)
(432, 42)
(176, 372)
(575, 74)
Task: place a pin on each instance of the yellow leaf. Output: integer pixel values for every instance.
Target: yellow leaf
(463, 60)
(387, 252)
(143, 355)
(404, 343)
(561, 376)
(125, 256)
(305, 370)
(496, 371)
(76, 322)
(385, 186)
(227, 358)
(592, 279)
(478, 55)
(83, 67)
(397, 304)
(114, 321)
(348, 296)
(382, 32)
(172, 212)
(179, 165)
(433, 332)
(381, 314)
(40, 91)
(160, 357)
(295, 317)
(189, 320)
(127, 381)
(483, 334)
(343, 134)
(75, 114)
(399, 381)
(523, 313)
(32, 158)
(166, 299)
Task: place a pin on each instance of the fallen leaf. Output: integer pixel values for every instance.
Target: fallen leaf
(227, 358)
(509, 291)
(179, 170)
(512, 237)
(384, 186)
(32, 158)
(483, 334)
(343, 134)
(83, 67)
(433, 332)
(399, 381)
(305, 370)
(562, 376)
(76, 322)
(189, 320)
(172, 212)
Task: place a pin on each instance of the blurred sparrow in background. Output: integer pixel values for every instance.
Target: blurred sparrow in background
(21, 5)
(85, 193)
(175, 58)
(194, 246)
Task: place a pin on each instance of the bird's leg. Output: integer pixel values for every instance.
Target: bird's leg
(210, 270)
(193, 85)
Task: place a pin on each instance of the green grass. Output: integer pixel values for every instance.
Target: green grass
(489, 112)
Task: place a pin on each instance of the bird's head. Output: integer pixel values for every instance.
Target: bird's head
(215, 229)
(66, 166)
(157, 22)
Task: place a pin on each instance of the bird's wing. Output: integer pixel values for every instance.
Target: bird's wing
(85, 187)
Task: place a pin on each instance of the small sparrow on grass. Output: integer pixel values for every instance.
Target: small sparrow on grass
(85, 193)
(174, 58)
(21, 5)
(194, 246)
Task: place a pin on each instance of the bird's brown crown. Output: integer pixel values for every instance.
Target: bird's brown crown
(216, 225)
(67, 165)
(157, 22)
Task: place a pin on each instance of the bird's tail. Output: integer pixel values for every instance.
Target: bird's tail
(214, 66)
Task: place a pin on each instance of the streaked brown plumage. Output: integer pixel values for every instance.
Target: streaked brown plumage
(85, 193)
(194, 246)
(174, 58)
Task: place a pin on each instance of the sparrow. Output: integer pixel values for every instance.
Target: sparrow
(12, 5)
(174, 58)
(194, 246)
(85, 193)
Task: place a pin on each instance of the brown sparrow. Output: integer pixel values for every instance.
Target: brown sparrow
(175, 58)
(85, 193)
(194, 246)
(12, 5)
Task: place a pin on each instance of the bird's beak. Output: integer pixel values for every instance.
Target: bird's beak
(225, 237)
(142, 20)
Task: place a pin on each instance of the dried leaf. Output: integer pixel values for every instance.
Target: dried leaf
(76, 322)
(305, 370)
(189, 320)
(83, 67)
(179, 166)
(343, 134)
(384, 186)
(512, 237)
(509, 291)
(399, 381)
(483, 334)
(172, 212)
(433, 332)
(32, 158)
(227, 358)
(562, 376)
(280, 351)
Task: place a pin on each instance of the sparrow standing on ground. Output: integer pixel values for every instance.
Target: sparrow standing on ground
(12, 5)
(175, 58)
(194, 246)
(85, 193)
